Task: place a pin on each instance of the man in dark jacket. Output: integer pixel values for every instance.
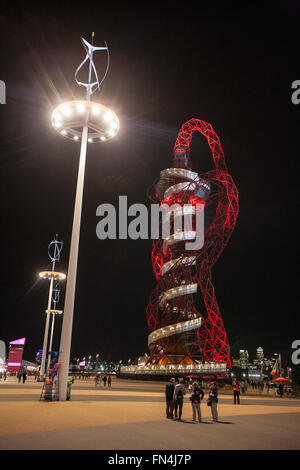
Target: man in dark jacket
(169, 398)
(179, 393)
(196, 397)
(213, 401)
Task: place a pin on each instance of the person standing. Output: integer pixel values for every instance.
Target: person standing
(169, 392)
(213, 402)
(179, 393)
(196, 397)
(109, 381)
(104, 380)
(280, 389)
(236, 391)
(69, 384)
(24, 375)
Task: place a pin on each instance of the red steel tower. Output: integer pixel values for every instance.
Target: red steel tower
(187, 329)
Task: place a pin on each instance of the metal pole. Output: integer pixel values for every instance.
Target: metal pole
(43, 361)
(50, 342)
(66, 334)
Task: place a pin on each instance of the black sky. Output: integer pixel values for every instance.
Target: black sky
(230, 66)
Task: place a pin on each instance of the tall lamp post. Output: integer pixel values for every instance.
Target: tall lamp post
(53, 275)
(83, 121)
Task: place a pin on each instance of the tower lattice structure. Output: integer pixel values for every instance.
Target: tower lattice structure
(183, 312)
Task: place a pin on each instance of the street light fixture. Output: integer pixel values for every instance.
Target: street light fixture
(86, 122)
(53, 275)
(70, 125)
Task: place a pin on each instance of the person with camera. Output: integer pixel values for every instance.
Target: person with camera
(213, 401)
(196, 397)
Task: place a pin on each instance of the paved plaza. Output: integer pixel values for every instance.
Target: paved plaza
(131, 416)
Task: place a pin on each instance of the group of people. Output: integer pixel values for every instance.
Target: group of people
(243, 386)
(175, 395)
(105, 379)
(237, 387)
(22, 375)
(82, 376)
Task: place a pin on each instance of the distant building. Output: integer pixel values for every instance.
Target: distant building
(258, 367)
(235, 362)
(260, 354)
(28, 365)
(268, 364)
(244, 359)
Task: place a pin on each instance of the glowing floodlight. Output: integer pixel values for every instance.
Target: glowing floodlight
(66, 110)
(80, 107)
(52, 275)
(55, 312)
(57, 116)
(80, 113)
(95, 110)
(108, 116)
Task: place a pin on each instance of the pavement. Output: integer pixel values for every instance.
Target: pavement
(131, 416)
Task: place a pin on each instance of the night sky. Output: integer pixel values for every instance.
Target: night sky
(232, 67)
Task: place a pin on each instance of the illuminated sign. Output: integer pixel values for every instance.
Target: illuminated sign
(15, 355)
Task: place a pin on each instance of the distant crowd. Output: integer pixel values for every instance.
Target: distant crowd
(105, 379)
(279, 388)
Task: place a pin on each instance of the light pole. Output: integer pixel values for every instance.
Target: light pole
(88, 122)
(53, 312)
(52, 276)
